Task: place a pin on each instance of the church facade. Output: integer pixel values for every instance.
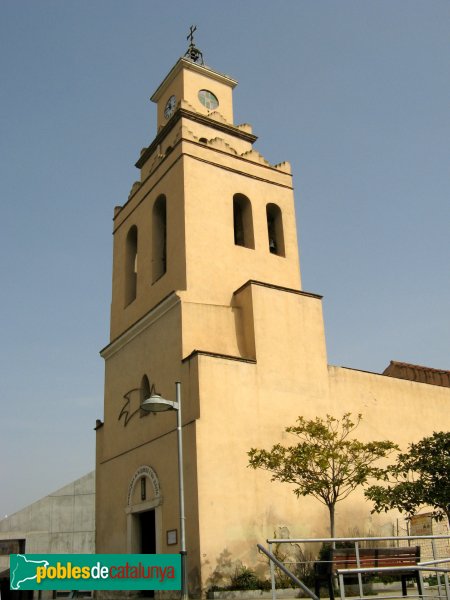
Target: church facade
(207, 292)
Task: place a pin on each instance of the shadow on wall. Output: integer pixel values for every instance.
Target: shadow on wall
(230, 574)
(225, 569)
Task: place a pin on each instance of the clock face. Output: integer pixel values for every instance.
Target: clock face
(208, 99)
(170, 107)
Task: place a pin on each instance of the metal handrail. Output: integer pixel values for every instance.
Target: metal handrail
(434, 562)
(295, 579)
(363, 570)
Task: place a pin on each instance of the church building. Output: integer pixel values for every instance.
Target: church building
(207, 292)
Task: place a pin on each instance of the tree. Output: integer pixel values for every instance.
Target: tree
(420, 477)
(325, 463)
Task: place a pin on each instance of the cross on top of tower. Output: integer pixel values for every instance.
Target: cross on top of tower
(193, 52)
(190, 36)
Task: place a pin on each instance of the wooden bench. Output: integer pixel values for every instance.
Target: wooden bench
(370, 558)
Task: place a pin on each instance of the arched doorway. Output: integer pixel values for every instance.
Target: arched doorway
(144, 512)
(144, 515)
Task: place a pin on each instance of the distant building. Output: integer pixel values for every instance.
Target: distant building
(418, 373)
(425, 524)
(62, 522)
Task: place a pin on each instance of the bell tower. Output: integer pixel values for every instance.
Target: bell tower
(203, 247)
(208, 212)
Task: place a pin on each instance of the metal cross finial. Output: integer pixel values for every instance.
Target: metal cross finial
(192, 52)
(190, 36)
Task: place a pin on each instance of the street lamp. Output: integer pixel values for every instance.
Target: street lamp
(157, 403)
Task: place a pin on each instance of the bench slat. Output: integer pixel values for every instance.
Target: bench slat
(345, 558)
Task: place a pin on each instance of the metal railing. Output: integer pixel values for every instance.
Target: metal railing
(274, 560)
(431, 567)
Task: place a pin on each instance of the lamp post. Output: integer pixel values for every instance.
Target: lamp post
(157, 403)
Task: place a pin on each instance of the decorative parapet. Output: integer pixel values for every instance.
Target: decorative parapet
(162, 145)
(245, 127)
(136, 185)
(186, 133)
(221, 144)
(216, 142)
(255, 156)
(251, 155)
(217, 116)
(284, 166)
(186, 105)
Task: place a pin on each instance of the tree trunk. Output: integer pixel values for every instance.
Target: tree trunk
(331, 511)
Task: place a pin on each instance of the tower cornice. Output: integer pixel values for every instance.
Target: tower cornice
(198, 118)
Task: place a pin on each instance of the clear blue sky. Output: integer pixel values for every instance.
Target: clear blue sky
(354, 93)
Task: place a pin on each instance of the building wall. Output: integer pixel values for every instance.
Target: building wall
(248, 404)
(62, 522)
(425, 524)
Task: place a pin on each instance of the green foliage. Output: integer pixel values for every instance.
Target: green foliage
(420, 477)
(325, 463)
(246, 579)
(432, 580)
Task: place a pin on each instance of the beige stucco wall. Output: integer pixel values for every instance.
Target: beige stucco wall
(153, 349)
(216, 267)
(246, 405)
(404, 410)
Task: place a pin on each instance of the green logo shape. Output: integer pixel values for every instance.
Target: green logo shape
(95, 572)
